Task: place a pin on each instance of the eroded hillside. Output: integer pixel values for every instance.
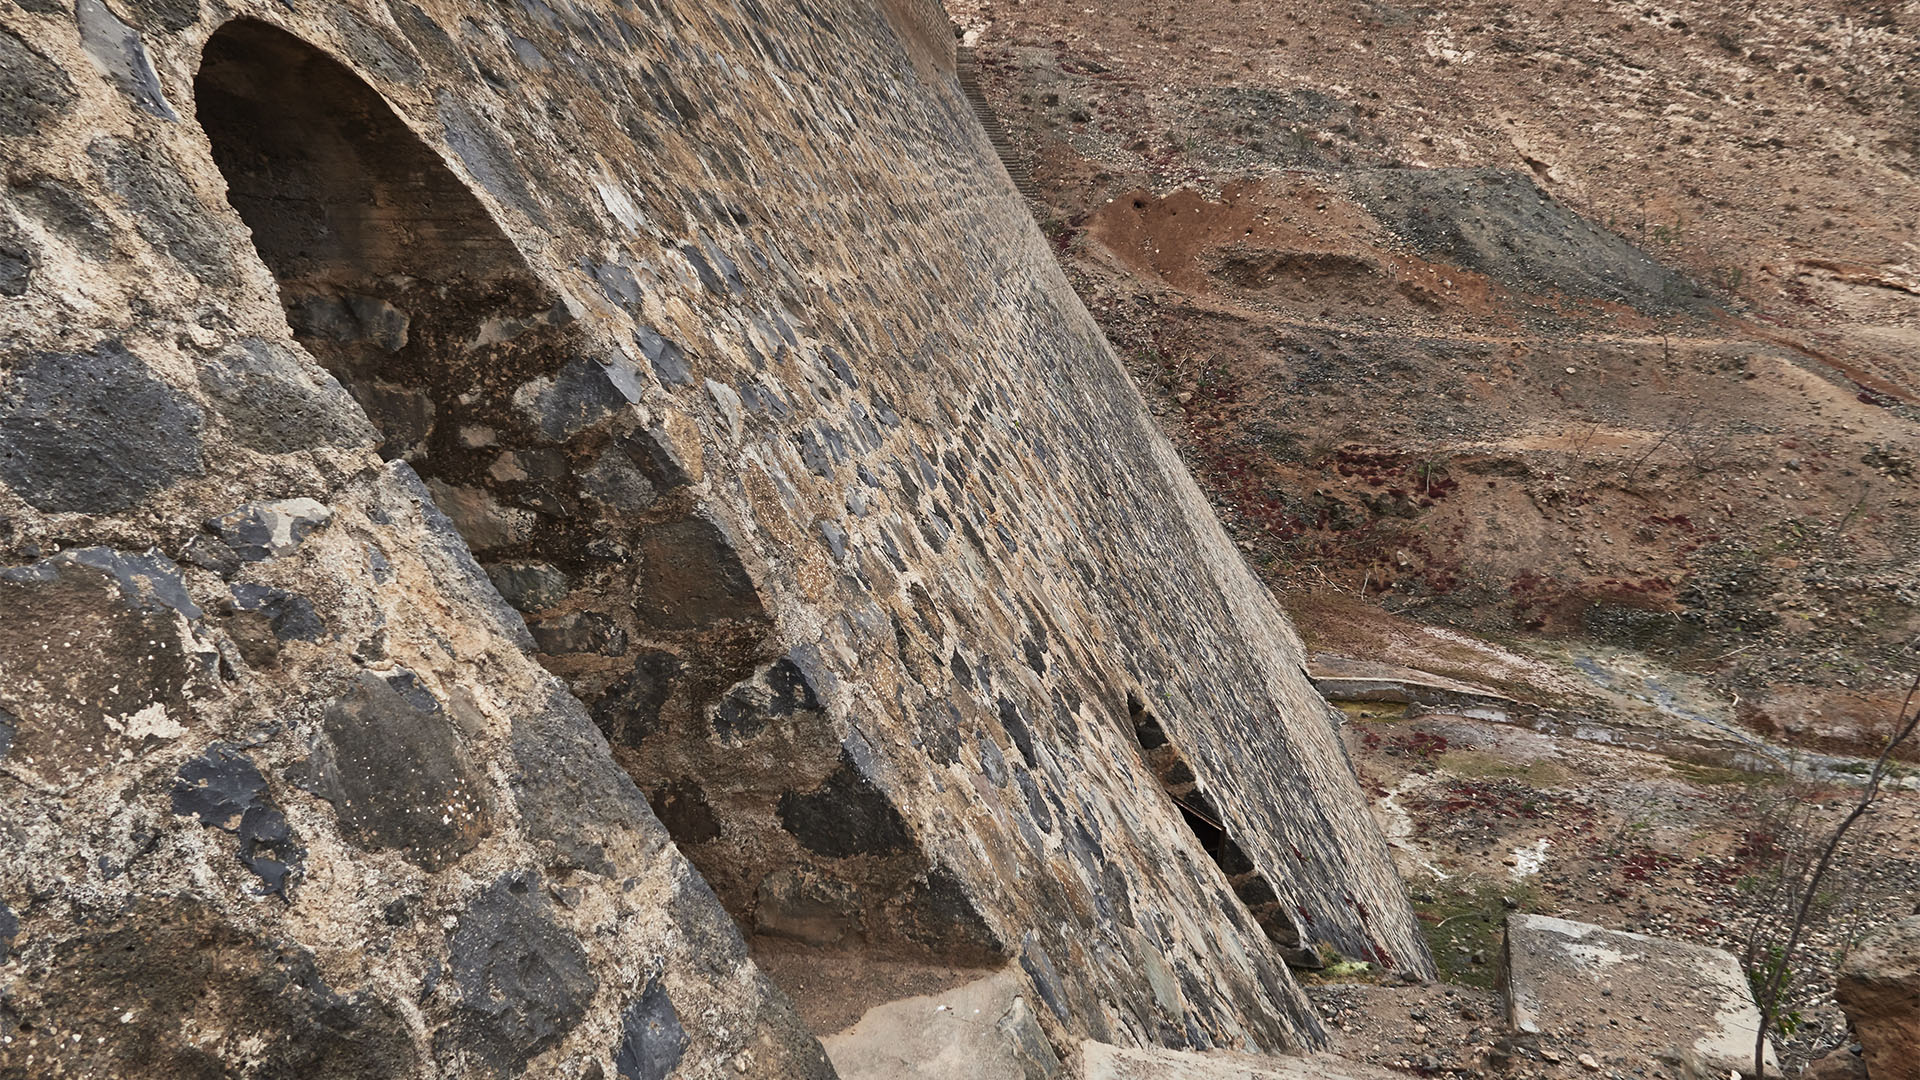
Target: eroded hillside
(1527, 318)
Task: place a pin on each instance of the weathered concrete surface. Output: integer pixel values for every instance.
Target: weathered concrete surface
(1682, 1008)
(986, 1030)
(983, 1030)
(1341, 679)
(432, 433)
(1879, 987)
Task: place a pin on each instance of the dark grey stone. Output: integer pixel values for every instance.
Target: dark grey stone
(391, 764)
(651, 456)
(269, 849)
(275, 402)
(166, 213)
(94, 433)
(1018, 731)
(741, 714)
(939, 914)
(651, 1038)
(523, 978)
(617, 483)
(813, 453)
(17, 260)
(487, 158)
(728, 269)
(211, 553)
(840, 366)
(580, 396)
(580, 632)
(1036, 803)
(616, 282)
(218, 786)
(690, 578)
(789, 691)
(529, 586)
(846, 815)
(836, 538)
(33, 89)
(428, 38)
(224, 789)
(149, 582)
(9, 929)
(372, 48)
(568, 789)
(289, 614)
(669, 360)
(713, 938)
(120, 52)
(1046, 978)
(64, 212)
(630, 709)
(1035, 655)
(707, 277)
(525, 51)
(163, 15)
(993, 764)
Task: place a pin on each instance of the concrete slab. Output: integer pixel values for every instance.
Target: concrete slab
(982, 1030)
(1630, 999)
(1340, 678)
(986, 1030)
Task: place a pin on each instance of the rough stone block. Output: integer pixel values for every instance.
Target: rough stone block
(94, 432)
(982, 1030)
(1690, 1004)
(1879, 987)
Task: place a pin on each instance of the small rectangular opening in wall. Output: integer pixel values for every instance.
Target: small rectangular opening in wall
(1183, 788)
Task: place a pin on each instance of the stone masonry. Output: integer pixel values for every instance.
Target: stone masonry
(506, 508)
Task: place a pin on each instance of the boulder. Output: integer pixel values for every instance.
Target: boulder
(1879, 987)
(1691, 1006)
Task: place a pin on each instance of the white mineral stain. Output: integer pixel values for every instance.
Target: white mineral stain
(1528, 861)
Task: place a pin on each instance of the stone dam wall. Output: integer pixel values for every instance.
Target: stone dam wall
(519, 520)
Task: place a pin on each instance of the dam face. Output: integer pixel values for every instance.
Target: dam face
(534, 537)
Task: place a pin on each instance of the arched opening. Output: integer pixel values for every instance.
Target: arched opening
(397, 279)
